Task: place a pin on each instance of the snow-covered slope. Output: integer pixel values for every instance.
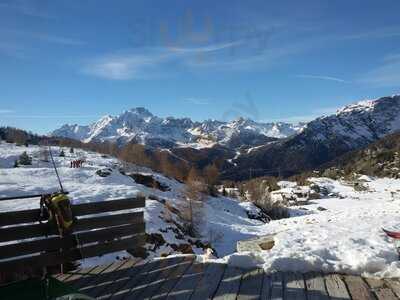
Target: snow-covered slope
(144, 127)
(338, 233)
(358, 124)
(345, 236)
(163, 225)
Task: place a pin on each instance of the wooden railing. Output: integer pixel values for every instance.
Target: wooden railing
(99, 228)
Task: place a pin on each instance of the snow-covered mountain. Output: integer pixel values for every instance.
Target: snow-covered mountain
(141, 125)
(326, 138)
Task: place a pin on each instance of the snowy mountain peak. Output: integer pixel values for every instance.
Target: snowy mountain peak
(140, 124)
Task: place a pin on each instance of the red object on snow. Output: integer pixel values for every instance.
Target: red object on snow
(392, 234)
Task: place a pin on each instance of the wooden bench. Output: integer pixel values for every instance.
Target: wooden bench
(100, 228)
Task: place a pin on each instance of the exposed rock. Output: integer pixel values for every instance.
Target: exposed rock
(149, 181)
(104, 172)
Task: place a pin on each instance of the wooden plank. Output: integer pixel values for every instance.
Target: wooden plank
(209, 282)
(379, 289)
(374, 283)
(125, 291)
(32, 215)
(109, 220)
(358, 289)
(79, 282)
(104, 234)
(25, 232)
(55, 258)
(39, 230)
(315, 285)
(266, 287)
(113, 246)
(105, 282)
(250, 287)
(188, 282)
(336, 287)
(163, 285)
(77, 273)
(118, 287)
(154, 280)
(394, 285)
(67, 242)
(230, 283)
(39, 245)
(19, 217)
(385, 294)
(294, 287)
(107, 206)
(277, 286)
(102, 279)
(172, 279)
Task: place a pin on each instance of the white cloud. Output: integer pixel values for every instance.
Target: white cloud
(145, 62)
(321, 77)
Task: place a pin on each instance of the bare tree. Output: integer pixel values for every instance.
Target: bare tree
(191, 209)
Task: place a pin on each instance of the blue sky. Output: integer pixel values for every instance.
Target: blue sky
(74, 61)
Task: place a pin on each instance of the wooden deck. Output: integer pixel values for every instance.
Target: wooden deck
(183, 278)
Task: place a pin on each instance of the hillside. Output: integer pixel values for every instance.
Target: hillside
(318, 235)
(165, 224)
(322, 140)
(380, 159)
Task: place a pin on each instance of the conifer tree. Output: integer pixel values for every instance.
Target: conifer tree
(25, 159)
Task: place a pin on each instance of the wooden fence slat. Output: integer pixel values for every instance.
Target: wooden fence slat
(55, 258)
(25, 231)
(32, 215)
(110, 233)
(40, 245)
(109, 220)
(55, 243)
(107, 206)
(114, 246)
(19, 217)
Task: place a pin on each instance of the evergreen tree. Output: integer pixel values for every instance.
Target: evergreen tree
(25, 159)
(71, 150)
(16, 165)
(62, 153)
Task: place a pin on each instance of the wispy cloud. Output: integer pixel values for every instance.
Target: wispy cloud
(321, 77)
(57, 39)
(145, 62)
(27, 8)
(385, 75)
(6, 111)
(379, 33)
(197, 101)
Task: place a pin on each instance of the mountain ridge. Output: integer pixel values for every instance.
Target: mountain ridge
(141, 125)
